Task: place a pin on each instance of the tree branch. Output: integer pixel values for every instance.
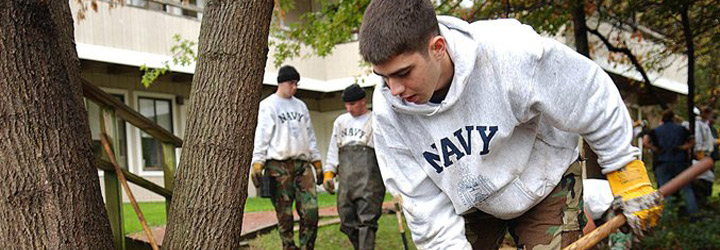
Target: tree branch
(633, 60)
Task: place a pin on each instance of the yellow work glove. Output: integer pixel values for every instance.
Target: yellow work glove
(641, 204)
(328, 182)
(256, 173)
(318, 172)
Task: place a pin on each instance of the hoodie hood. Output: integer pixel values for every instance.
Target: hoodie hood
(462, 49)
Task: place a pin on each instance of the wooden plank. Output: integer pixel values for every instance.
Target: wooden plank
(106, 100)
(113, 204)
(113, 193)
(137, 180)
(168, 165)
(105, 139)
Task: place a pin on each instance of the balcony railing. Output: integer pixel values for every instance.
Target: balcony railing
(187, 8)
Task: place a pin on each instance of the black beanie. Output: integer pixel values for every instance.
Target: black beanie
(287, 73)
(353, 93)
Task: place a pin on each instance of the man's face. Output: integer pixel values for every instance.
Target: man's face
(706, 115)
(287, 89)
(356, 108)
(411, 76)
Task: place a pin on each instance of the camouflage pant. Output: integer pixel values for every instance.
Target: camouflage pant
(553, 223)
(294, 181)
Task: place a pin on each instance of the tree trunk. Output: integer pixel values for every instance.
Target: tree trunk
(49, 190)
(581, 40)
(582, 46)
(687, 32)
(211, 182)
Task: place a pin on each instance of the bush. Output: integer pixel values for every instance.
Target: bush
(677, 232)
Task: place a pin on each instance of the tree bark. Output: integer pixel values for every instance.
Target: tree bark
(211, 182)
(687, 32)
(580, 28)
(49, 190)
(582, 46)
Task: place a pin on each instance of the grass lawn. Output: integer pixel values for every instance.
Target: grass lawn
(330, 237)
(255, 204)
(154, 212)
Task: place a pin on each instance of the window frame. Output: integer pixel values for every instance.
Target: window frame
(138, 157)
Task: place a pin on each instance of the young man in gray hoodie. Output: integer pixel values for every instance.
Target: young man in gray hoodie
(286, 149)
(476, 128)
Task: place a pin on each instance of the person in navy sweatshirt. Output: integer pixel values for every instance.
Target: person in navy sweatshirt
(476, 127)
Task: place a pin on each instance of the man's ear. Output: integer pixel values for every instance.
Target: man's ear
(437, 46)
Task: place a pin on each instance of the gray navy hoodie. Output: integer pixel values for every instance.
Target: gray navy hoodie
(503, 136)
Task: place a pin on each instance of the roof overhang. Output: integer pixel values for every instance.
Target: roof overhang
(656, 79)
(135, 59)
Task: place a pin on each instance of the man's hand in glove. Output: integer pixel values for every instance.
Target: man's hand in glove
(256, 173)
(641, 204)
(328, 182)
(318, 172)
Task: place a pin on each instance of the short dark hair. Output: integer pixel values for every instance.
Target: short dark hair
(668, 115)
(393, 27)
(706, 110)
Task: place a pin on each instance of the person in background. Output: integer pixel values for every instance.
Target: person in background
(351, 157)
(285, 146)
(670, 143)
(705, 136)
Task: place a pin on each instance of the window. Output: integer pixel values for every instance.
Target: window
(122, 138)
(159, 111)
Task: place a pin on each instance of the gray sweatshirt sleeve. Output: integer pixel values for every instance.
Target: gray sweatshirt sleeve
(314, 152)
(263, 134)
(703, 136)
(576, 95)
(332, 161)
(429, 212)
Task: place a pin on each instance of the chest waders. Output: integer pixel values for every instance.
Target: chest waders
(360, 194)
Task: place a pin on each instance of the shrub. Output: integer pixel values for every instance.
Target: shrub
(677, 232)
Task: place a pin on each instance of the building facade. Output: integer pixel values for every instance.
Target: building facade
(114, 41)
